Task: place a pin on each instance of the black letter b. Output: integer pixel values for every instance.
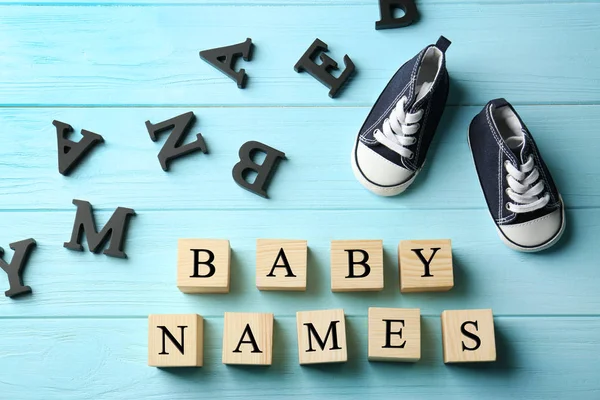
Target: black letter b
(263, 171)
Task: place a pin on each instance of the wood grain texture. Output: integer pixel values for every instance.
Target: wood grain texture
(281, 264)
(538, 358)
(487, 273)
(248, 338)
(468, 336)
(125, 170)
(203, 265)
(425, 265)
(321, 337)
(187, 348)
(394, 334)
(356, 265)
(531, 62)
(109, 65)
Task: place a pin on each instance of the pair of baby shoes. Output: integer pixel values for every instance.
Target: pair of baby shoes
(392, 145)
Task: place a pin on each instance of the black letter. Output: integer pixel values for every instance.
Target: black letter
(313, 332)
(322, 72)
(351, 263)
(389, 333)
(211, 267)
(424, 261)
(14, 270)
(173, 148)
(470, 335)
(264, 170)
(285, 265)
(71, 153)
(114, 230)
(224, 59)
(165, 332)
(252, 341)
(386, 9)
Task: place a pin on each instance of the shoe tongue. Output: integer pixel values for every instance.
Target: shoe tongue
(519, 145)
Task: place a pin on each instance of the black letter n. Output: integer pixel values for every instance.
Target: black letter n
(167, 333)
(174, 147)
(113, 232)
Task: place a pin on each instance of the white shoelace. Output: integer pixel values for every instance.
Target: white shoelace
(398, 128)
(523, 188)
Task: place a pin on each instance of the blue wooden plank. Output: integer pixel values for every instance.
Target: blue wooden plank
(487, 273)
(317, 175)
(149, 55)
(63, 359)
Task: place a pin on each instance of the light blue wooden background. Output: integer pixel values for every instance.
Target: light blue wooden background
(108, 66)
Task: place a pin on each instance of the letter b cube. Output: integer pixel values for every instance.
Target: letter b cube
(203, 265)
(356, 265)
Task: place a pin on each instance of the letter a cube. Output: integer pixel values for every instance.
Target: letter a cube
(356, 265)
(203, 265)
(321, 336)
(281, 264)
(175, 340)
(425, 265)
(248, 338)
(468, 336)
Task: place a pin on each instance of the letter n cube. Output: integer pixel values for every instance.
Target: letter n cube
(321, 336)
(175, 340)
(468, 336)
(203, 265)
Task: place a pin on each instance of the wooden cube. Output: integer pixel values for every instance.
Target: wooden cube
(175, 340)
(281, 264)
(356, 265)
(203, 265)
(394, 334)
(321, 336)
(425, 265)
(248, 338)
(468, 336)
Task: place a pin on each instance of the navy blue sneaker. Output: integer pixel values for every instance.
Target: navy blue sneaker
(392, 144)
(522, 198)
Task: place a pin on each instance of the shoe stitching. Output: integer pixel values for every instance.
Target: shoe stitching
(493, 130)
(500, 183)
(532, 222)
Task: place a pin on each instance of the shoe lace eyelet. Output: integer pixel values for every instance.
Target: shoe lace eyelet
(412, 155)
(507, 206)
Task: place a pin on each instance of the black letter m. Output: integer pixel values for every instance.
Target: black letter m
(321, 342)
(113, 232)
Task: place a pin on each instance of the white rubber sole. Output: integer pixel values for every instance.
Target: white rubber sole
(515, 246)
(379, 190)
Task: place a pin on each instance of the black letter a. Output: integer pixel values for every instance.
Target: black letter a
(173, 147)
(224, 59)
(71, 153)
(251, 340)
(114, 230)
(264, 170)
(281, 255)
